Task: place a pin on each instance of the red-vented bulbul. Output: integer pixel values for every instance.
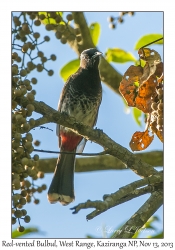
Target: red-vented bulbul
(80, 98)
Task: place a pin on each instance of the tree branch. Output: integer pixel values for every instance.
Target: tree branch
(125, 193)
(102, 162)
(80, 22)
(91, 204)
(140, 217)
(129, 159)
(40, 121)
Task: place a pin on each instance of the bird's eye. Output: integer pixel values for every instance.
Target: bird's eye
(97, 53)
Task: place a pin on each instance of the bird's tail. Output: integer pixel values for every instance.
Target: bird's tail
(62, 186)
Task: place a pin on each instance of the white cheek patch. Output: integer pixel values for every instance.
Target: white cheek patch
(83, 57)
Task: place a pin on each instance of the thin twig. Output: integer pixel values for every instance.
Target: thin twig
(152, 42)
(14, 44)
(43, 127)
(82, 154)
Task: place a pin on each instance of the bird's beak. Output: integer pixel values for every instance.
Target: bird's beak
(97, 54)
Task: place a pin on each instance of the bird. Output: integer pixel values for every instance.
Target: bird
(80, 98)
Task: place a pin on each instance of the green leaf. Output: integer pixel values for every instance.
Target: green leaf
(16, 234)
(119, 56)
(148, 39)
(95, 29)
(137, 115)
(70, 68)
(140, 63)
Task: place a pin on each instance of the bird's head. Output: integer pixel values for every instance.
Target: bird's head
(90, 58)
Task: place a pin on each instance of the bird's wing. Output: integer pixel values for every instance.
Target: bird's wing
(62, 96)
(95, 121)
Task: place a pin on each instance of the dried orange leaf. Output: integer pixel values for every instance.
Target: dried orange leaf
(133, 73)
(156, 131)
(159, 70)
(159, 135)
(145, 91)
(140, 141)
(152, 59)
(140, 88)
(137, 96)
(160, 79)
(144, 53)
(147, 72)
(148, 88)
(128, 90)
(128, 86)
(143, 104)
(149, 55)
